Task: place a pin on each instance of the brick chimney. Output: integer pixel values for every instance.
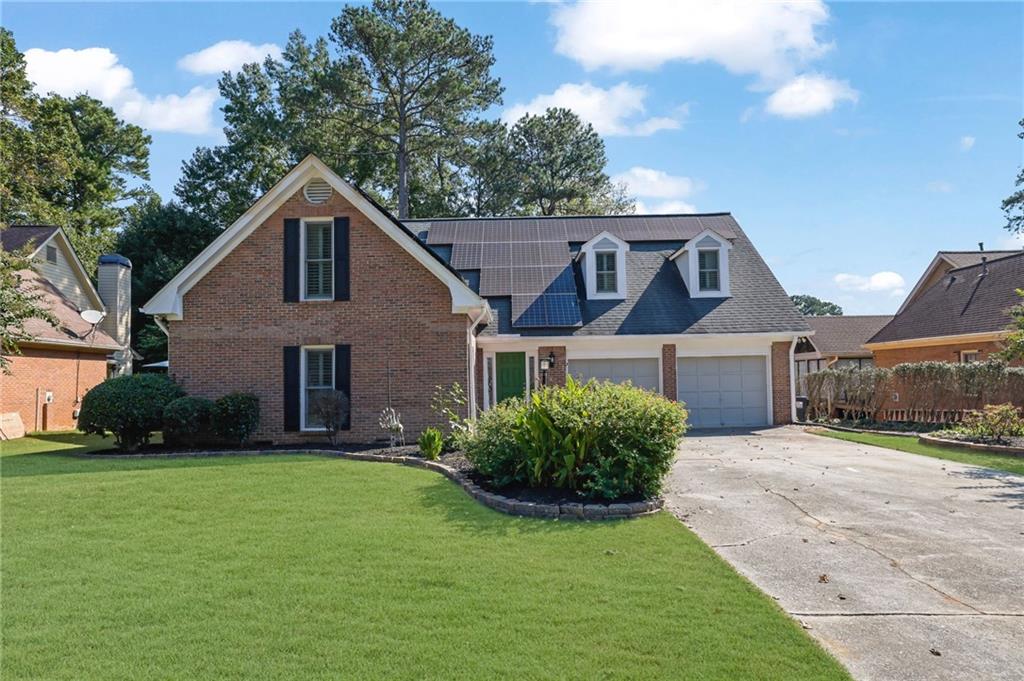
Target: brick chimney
(115, 288)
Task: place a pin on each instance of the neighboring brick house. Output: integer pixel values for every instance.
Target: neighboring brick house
(837, 342)
(47, 381)
(316, 287)
(960, 317)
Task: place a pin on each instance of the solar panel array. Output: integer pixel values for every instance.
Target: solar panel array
(528, 259)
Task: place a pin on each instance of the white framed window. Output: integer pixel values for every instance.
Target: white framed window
(968, 356)
(317, 260)
(708, 270)
(606, 272)
(317, 379)
(51, 254)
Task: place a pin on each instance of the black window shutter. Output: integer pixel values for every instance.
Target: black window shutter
(292, 386)
(341, 259)
(291, 260)
(343, 378)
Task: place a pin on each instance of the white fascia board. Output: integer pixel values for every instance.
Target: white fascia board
(730, 342)
(168, 301)
(930, 341)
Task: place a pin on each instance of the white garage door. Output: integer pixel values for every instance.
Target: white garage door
(724, 391)
(642, 372)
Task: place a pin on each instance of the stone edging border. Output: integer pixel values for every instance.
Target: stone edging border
(972, 446)
(847, 429)
(498, 502)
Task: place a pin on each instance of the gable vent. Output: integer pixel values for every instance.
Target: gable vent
(317, 191)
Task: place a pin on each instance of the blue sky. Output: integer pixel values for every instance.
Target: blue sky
(850, 140)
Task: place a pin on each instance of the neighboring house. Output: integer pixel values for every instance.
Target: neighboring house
(316, 287)
(961, 317)
(837, 342)
(61, 363)
(943, 262)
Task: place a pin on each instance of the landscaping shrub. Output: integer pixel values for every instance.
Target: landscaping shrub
(332, 409)
(187, 421)
(235, 417)
(129, 407)
(430, 443)
(995, 422)
(602, 440)
(449, 404)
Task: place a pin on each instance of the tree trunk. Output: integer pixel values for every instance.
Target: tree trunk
(403, 170)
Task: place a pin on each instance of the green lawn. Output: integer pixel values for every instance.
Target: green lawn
(1011, 464)
(298, 567)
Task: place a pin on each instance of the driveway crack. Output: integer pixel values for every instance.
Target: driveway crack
(894, 563)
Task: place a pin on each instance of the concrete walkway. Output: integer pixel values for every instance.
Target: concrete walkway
(903, 566)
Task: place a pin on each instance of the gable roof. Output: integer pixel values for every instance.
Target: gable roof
(168, 301)
(967, 300)
(16, 237)
(945, 261)
(844, 335)
(498, 254)
(71, 329)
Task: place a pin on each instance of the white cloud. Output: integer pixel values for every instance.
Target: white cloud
(939, 187)
(1012, 242)
(769, 39)
(655, 184)
(967, 142)
(227, 55)
(612, 111)
(809, 95)
(96, 71)
(664, 207)
(889, 282)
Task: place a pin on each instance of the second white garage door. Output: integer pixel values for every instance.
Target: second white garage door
(724, 391)
(642, 372)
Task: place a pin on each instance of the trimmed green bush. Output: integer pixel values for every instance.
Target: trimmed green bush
(431, 441)
(187, 421)
(129, 407)
(994, 422)
(235, 417)
(603, 440)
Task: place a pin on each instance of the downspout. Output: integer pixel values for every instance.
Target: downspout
(792, 380)
(162, 325)
(471, 351)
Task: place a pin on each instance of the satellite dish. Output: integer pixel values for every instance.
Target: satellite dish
(92, 316)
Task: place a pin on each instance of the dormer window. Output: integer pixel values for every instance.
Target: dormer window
(704, 265)
(606, 282)
(708, 274)
(603, 261)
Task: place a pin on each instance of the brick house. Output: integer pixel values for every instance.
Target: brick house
(836, 342)
(316, 287)
(47, 381)
(956, 313)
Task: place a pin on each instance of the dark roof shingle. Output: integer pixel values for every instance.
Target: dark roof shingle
(844, 335)
(963, 301)
(16, 237)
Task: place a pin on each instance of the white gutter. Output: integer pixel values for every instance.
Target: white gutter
(160, 324)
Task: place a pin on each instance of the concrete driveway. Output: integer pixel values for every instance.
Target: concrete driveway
(903, 566)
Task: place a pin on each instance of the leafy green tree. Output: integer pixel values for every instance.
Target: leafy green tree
(67, 161)
(159, 239)
(416, 78)
(1013, 205)
(815, 307)
(1013, 346)
(561, 162)
(18, 304)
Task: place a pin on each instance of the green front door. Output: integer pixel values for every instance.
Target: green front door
(511, 370)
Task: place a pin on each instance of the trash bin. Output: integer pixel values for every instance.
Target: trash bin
(801, 408)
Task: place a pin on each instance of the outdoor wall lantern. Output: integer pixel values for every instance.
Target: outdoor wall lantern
(546, 364)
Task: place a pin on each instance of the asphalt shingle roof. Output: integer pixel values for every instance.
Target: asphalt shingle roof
(17, 236)
(963, 301)
(968, 258)
(657, 301)
(844, 335)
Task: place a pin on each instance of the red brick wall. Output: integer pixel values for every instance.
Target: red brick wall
(556, 375)
(235, 326)
(669, 385)
(933, 353)
(56, 371)
(781, 400)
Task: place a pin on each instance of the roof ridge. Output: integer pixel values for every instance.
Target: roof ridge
(571, 217)
(1015, 254)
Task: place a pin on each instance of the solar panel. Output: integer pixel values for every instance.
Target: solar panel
(562, 309)
(496, 255)
(495, 281)
(466, 256)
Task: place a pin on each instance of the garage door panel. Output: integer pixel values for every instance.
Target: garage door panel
(723, 391)
(642, 372)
